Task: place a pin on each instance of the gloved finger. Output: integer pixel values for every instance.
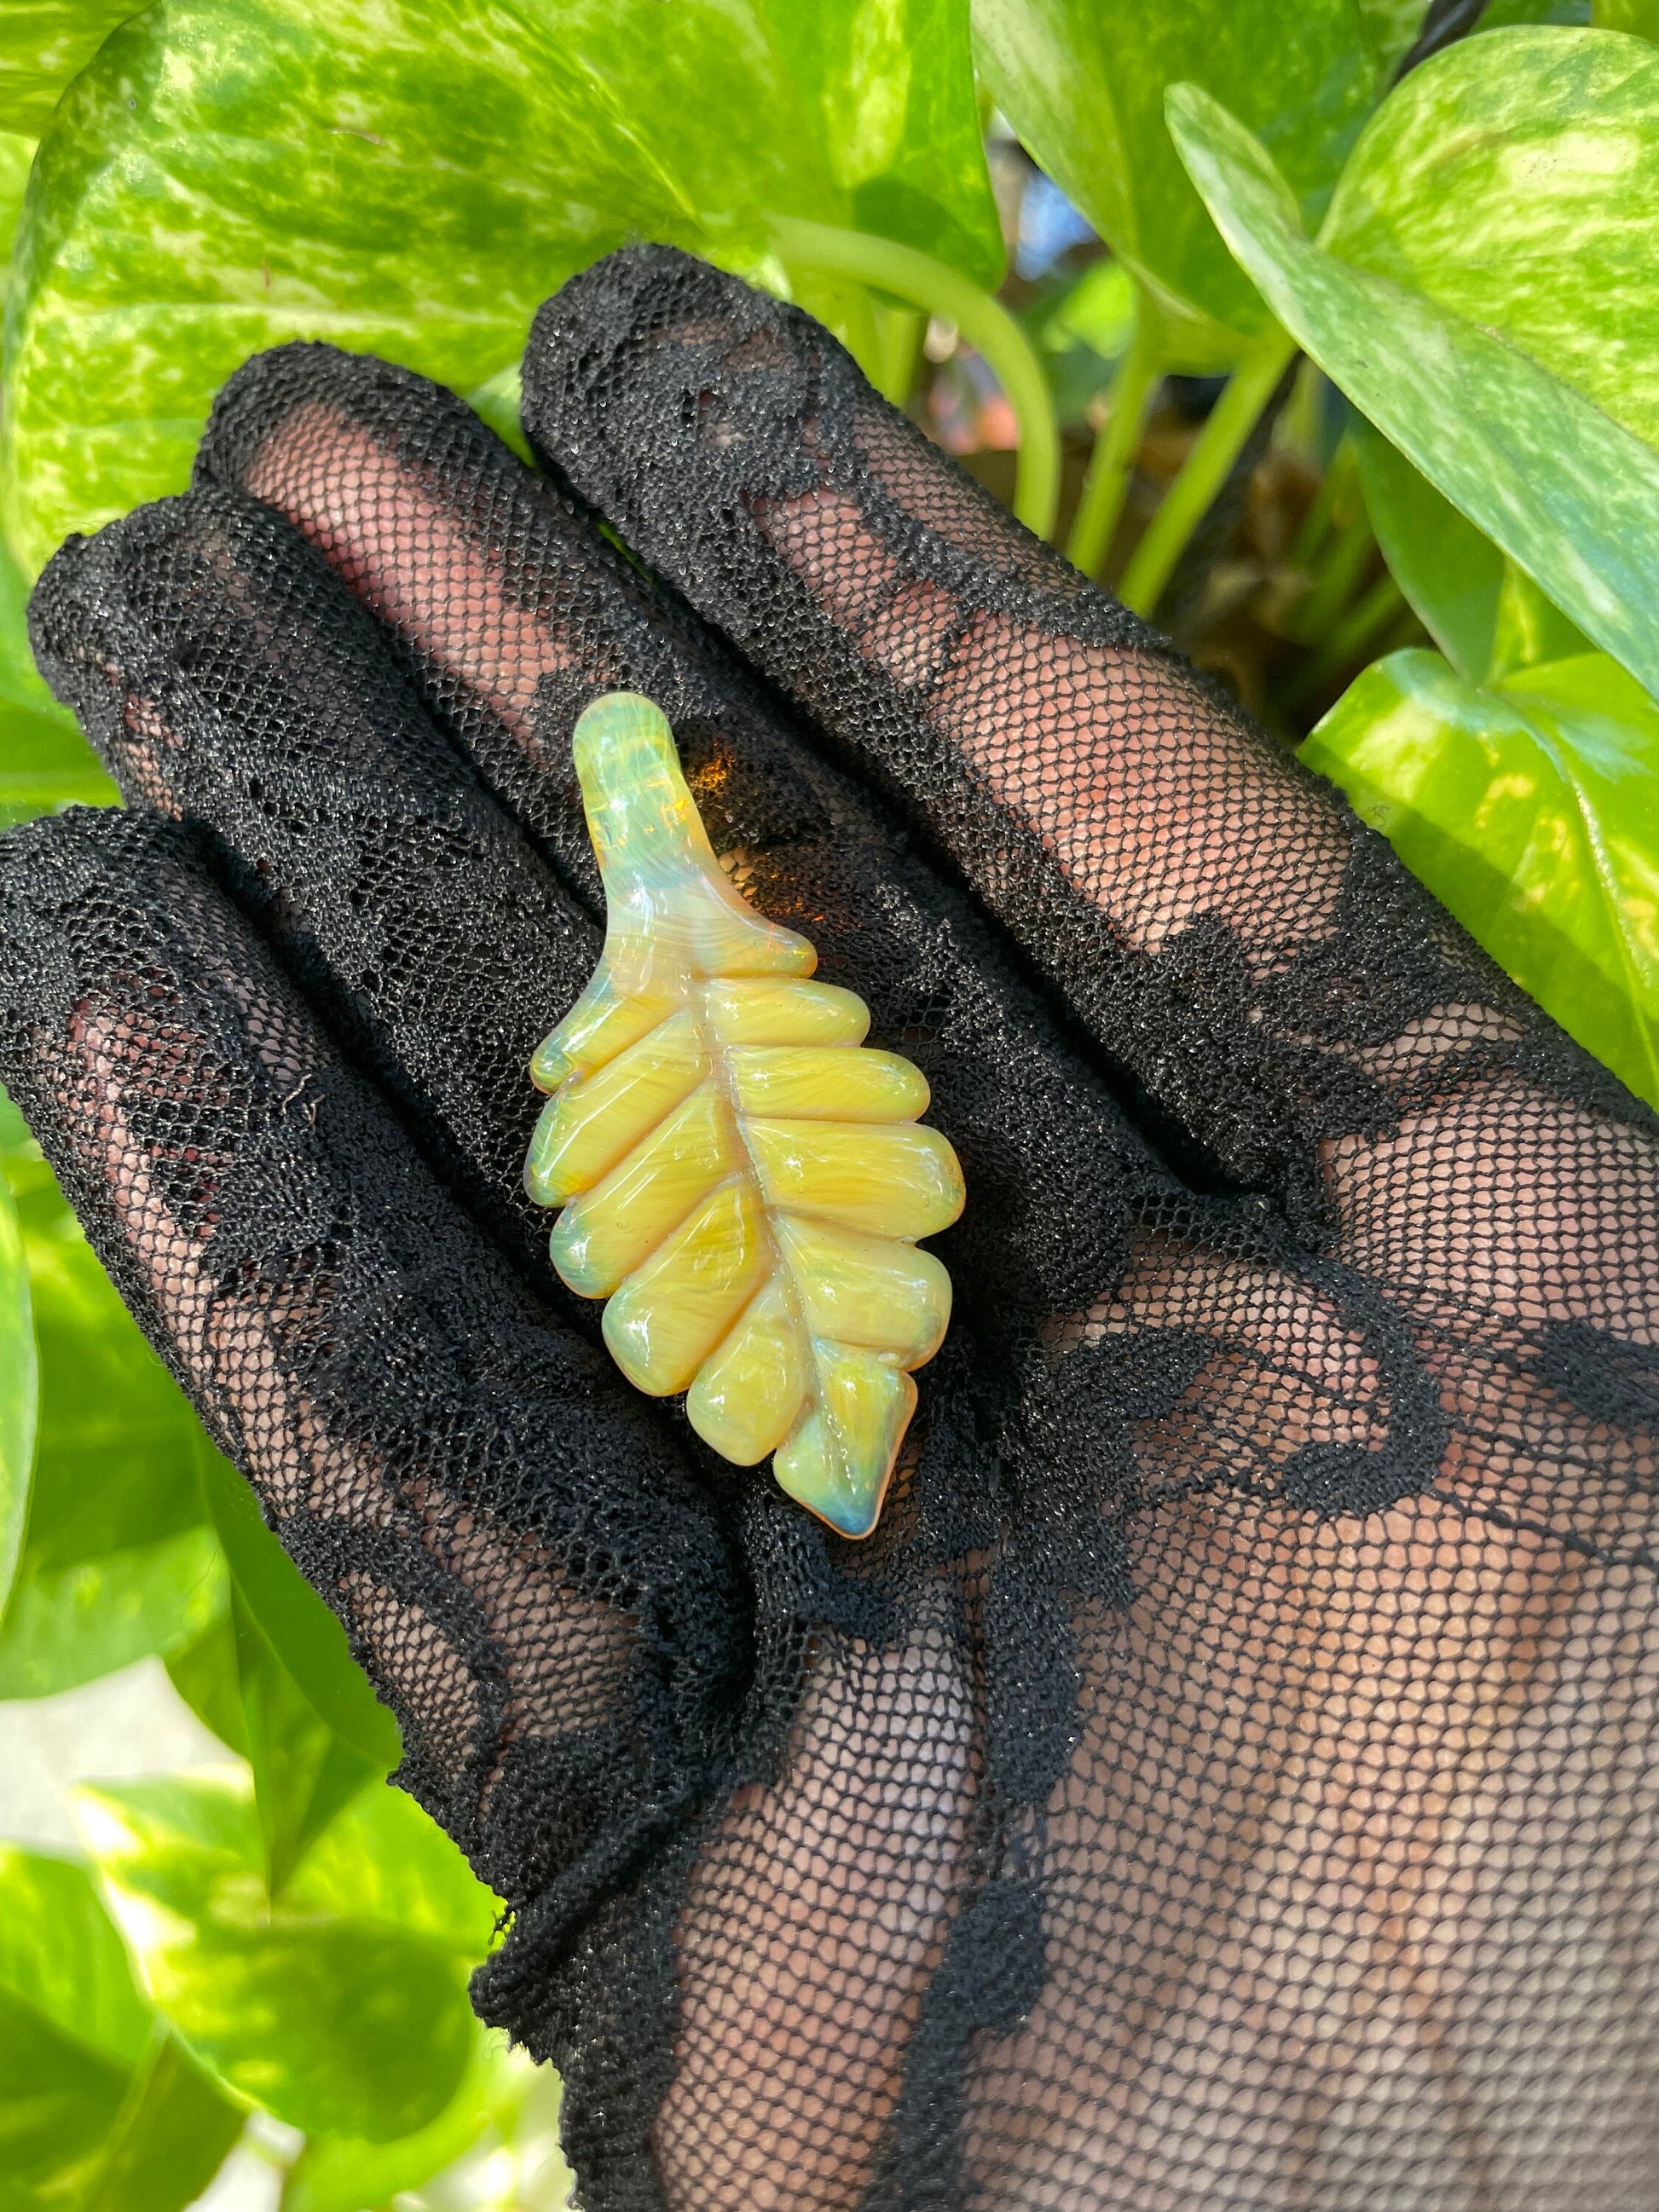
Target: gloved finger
(538, 1589)
(417, 506)
(507, 608)
(224, 675)
(422, 511)
(1212, 913)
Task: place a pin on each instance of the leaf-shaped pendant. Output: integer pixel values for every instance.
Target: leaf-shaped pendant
(742, 1178)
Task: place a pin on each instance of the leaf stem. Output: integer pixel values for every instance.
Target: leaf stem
(984, 322)
(1359, 630)
(899, 333)
(1111, 463)
(1215, 449)
(1339, 573)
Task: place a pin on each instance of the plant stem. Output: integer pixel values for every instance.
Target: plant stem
(1334, 586)
(1364, 622)
(984, 322)
(899, 332)
(1111, 463)
(1339, 484)
(1215, 449)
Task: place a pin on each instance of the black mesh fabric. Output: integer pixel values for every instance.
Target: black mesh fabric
(1226, 1779)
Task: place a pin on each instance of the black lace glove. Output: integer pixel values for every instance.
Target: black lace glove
(1225, 1777)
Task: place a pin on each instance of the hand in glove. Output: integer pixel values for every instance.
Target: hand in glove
(1223, 1779)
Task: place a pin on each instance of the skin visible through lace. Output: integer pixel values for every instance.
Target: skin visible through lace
(1108, 833)
(1341, 1873)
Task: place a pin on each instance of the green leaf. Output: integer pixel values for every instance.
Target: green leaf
(276, 1682)
(337, 2173)
(1097, 309)
(16, 156)
(1528, 807)
(169, 2139)
(386, 1860)
(101, 2109)
(45, 762)
(302, 1773)
(304, 1636)
(317, 2006)
(62, 1956)
(1083, 86)
(1528, 628)
(19, 1392)
(206, 1674)
(59, 2102)
(1391, 27)
(117, 1560)
(1567, 492)
(1451, 573)
(43, 44)
(1486, 614)
(73, 1623)
(1504, 14)
(413, 177)
(1640, 18)
(1514, 181)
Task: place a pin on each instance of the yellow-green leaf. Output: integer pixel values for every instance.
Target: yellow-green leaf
(1530, 807)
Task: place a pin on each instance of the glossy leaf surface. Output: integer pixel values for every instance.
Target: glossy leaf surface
(1514, 181)
(1451, 573)
(43, 44)
(1567, 491)
(1084, 87)
(230, 174)
(741, 1181)
(340, 2007)
(1528, 807)
(45, 762)
(119, 1560)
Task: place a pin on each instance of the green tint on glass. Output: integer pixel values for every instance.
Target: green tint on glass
(1084, 87)
(413, 180)
(1567, 493)
(1528, 808)
(341, 2006)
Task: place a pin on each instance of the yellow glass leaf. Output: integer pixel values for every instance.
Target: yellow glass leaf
(739, 1175)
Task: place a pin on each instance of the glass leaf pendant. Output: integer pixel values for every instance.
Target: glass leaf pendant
(741, 1178)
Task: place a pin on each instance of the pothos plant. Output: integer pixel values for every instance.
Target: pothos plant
(1419, 265)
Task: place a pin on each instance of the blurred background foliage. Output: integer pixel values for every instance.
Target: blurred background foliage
(1324, 337)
